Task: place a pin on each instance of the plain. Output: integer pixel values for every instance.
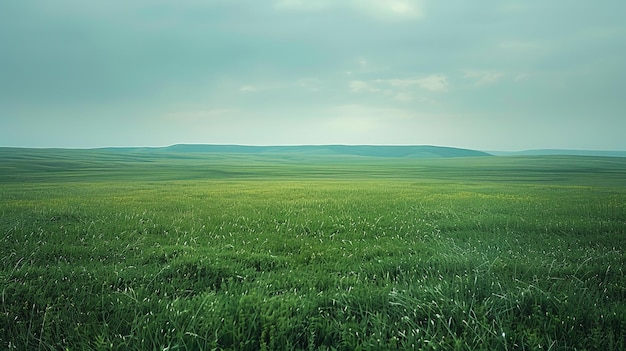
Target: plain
(136, 250)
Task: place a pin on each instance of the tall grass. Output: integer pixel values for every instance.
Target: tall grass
(330, 265)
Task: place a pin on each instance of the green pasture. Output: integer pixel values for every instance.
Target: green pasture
(112, 250)
(146, 165)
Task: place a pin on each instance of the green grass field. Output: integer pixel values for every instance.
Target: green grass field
(112, 250)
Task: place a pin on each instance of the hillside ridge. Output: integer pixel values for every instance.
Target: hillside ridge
(561, 152)
(406, 151)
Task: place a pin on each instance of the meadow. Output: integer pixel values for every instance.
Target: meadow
(112, 250)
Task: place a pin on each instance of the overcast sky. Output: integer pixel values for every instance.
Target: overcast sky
(488, 75)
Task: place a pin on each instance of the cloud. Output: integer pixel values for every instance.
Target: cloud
(434, 82)
(248, 89)
(359, 86)
(483, 77)
(389, 9)
(378, 9)
(302, 5)
(402, 97)
(78, 64)
(400, 89)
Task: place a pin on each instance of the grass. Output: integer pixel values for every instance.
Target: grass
(380, 254)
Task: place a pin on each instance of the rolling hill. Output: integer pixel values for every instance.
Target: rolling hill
(235, 162)
(407, 151)
(560, 152)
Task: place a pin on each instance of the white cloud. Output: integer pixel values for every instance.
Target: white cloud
(359, 86)
(248, 89)
(402, 97)
(390, 9)
(362, 65)
(403, 83)
(434, 82)
(302, 5)
(400, 89)
(483, 77)
(379, 9)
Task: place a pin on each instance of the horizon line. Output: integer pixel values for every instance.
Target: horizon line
(305, 145)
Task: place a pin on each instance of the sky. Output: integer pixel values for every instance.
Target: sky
(485, 74)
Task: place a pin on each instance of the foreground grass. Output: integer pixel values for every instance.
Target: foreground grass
(371, 264)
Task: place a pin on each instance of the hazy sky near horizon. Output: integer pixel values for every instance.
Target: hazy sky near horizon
(487, 74)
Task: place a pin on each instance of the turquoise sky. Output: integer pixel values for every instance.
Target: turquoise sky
(489, 75)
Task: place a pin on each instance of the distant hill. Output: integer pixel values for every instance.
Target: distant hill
(211, 162)
(560, 152)
(406, 151)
